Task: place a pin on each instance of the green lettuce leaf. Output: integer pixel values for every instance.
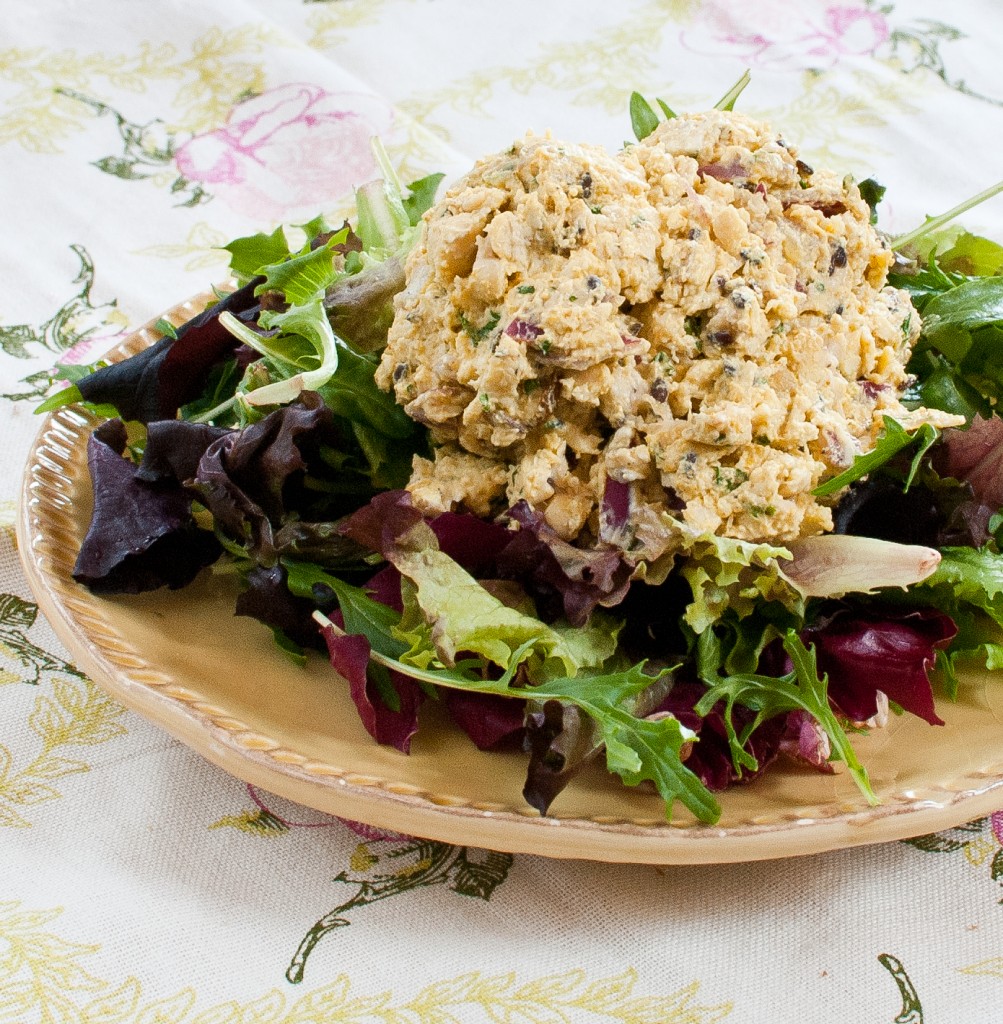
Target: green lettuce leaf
(958, 251)
(301, 277)
(251, 252)
(462, 615)
(299, 343)
(420, 197)
(967, 585)
(734, 574)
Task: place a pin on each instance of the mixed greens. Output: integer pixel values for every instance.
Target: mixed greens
(255, 437)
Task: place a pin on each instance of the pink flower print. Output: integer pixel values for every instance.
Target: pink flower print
(996, 820)
(853, 30)
(372, 834)
(289, 152)
(779, 36)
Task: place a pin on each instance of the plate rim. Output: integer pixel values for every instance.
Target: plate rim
(43, 528)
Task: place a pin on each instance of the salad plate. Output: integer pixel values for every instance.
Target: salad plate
(220, 685)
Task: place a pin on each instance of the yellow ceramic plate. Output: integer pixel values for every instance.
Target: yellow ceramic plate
(217, 682)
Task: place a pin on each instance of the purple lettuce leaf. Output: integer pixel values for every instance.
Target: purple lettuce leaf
(710, 758)
(974, 457)
(155, 383)
(492, 722)
(174, 449)
(474, 543)
(267, 598)
(371, 687)
(252, 481)
(879, 508)
(471, 542)
(950, 507)
(141, 536)
(806, 741)
(563, 577)
(864, 652)
(381, 523)
(561, 741)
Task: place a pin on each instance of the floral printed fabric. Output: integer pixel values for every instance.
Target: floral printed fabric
(137, 882)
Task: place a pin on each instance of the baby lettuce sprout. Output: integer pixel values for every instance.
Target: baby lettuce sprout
(934, 223)
(727, 101)
(644, 118)
(384, 224)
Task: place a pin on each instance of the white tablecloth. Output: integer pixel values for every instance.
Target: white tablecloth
(139, 884)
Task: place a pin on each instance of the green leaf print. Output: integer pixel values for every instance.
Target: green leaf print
(17, 616)
(409, 865)
(76, 321)
(917, 46)
(147, 149)
(912, 1009)
(260, 822)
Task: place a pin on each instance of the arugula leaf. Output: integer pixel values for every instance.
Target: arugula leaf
(637, 749)
(894, 438)
(768, 696)
(362, 614)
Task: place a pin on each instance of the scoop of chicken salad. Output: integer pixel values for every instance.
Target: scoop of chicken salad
(702, 317)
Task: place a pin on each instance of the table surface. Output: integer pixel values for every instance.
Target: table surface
(138, 883)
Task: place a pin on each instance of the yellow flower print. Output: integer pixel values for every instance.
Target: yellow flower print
(77, 714)
(42, 970)
(201, 249)
(330, 25)
(222, 67)
(69, 712)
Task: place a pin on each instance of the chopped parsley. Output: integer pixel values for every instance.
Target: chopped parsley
(729, 477)
(478, 334)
